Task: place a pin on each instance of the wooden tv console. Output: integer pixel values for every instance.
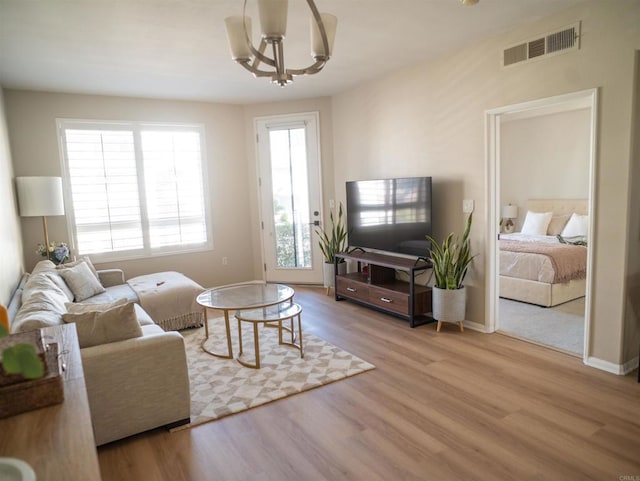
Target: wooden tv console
(378, 288)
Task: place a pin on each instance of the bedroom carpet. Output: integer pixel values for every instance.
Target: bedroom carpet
(561, 327)
(220, 387)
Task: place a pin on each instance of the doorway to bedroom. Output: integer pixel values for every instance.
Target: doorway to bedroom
(541, 162)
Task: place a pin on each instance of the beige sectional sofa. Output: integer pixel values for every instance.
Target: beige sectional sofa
(134, 384)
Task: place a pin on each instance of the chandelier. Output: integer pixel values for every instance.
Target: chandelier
(273, 23)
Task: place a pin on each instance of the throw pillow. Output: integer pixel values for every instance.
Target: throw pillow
(536, 223)
(103, 327)
(84, 259)
(556, 224)
(81, 281)
(73, 308)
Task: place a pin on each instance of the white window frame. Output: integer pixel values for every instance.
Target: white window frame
(136, 127)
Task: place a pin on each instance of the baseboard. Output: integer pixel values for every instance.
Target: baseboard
(475, 326)
(631, 365)
(618, 369)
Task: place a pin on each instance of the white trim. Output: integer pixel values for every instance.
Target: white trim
(581, 99)
(475, 326)
(292, 120)
(618, 369)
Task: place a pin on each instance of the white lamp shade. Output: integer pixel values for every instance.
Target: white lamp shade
(236, 37)
(273, 18)
(330, 23)
(40, 196)
(510, 211)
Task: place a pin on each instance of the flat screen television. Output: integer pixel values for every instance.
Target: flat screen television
(390, 214)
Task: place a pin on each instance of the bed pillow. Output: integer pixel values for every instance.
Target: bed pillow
(82, 282)
(536, 223)
(556, 224)
(577, 226)
(102, 327)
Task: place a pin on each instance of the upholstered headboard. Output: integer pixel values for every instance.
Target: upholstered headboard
(558, 206)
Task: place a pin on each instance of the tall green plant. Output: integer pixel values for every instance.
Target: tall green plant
(334, 240)
(451, 259)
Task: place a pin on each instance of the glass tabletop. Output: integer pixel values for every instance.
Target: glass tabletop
(245, 296)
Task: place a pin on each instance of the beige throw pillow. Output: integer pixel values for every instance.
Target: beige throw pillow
(102, 327)
(81, 281)
(73, 308)
(556, 224)
(84, 259)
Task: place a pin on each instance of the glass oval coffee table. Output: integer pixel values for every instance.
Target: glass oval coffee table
(239, 298)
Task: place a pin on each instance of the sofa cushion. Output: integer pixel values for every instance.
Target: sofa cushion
(74, 308)
(111, 294)
(60, 283)
(41, 309)
(144, 319)
(103, 327)
(82, 282)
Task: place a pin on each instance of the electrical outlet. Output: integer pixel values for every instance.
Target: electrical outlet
(332, 203)
(225, 261)
(467, 206)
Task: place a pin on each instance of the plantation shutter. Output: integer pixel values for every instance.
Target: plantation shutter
(136, 189)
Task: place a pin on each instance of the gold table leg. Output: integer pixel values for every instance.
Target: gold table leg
(229, 354)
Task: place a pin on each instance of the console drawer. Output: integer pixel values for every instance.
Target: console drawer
(392, 300)
(352, 289)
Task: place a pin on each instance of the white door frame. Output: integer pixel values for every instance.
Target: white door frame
(285, 119)
(589, 98)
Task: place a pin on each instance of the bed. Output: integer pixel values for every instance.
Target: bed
(539, 269)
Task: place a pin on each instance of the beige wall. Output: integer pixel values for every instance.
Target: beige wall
(11, 266)
(632, 304)
(429, 120)
(31, 120)
(251, 112)
(545, 157)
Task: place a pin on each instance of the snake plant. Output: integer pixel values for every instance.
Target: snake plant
(451, 259)
(334, 240)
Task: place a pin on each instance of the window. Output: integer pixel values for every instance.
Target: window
(136, 189)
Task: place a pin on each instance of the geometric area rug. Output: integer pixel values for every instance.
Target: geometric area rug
(220, 387)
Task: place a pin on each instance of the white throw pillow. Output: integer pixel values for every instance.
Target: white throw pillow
(577, 226)
(102, 327)
(536, 223)
(82, 282)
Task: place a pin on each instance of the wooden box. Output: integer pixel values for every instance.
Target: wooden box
(28, 394)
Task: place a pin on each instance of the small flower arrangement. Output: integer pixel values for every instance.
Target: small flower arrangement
(57, 252)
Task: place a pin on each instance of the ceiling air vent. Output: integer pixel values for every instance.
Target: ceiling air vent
(552, 43)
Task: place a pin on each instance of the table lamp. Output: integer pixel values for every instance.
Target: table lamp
(509, 212)
(40, 196)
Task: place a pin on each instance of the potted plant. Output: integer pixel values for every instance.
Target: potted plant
(20, 358)
(451, 261)
(333, 241)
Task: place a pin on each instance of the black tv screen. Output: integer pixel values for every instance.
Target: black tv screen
(390, 214)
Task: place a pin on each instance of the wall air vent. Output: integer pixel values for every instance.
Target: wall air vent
(553, 43)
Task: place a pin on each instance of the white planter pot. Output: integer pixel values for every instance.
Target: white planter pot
(328, 273)
(449, 305)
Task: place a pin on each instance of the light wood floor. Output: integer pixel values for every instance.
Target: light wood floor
(446, 406)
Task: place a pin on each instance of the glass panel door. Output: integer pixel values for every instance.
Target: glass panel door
(290, 194)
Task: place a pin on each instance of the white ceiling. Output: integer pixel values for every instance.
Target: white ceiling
(177, 49)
